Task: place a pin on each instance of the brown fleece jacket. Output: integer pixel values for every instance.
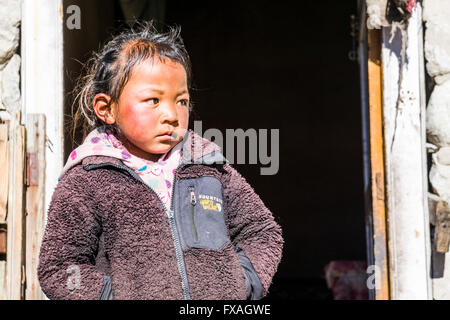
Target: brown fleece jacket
(102, 221)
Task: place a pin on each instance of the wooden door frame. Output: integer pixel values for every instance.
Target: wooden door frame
(397, 218)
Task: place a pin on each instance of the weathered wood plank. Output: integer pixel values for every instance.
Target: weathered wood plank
(442, 233)
(2, 241)
(35, 211)
(43, 78)
(2, 280)
(377, 166)
(4, 170)
(2, 261)
(405, 158)
(15, 215)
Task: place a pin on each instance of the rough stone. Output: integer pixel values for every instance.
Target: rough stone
(10, 85)
(376, 17)
(437, 36)
(10, 16)
(440, 173)
(438, 115)
(442, 78)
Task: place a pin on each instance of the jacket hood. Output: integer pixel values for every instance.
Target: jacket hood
(101, 146)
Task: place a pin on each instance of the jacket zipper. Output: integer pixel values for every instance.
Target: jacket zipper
(176, 239)
(173, 229)
(193, 203)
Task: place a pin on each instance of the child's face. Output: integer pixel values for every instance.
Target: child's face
(154, 102)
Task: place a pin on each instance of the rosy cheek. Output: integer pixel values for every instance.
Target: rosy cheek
(137, 122)
(183, 118)
(136, 118)
(130, 114)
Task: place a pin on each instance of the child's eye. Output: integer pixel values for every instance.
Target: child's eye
(152, 101)
(183, 102)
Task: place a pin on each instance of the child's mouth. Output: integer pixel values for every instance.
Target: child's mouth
(168, 136)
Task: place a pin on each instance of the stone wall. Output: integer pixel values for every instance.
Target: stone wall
(436, 15)
(10, 16)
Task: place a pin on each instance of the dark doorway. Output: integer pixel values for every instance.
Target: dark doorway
(276, 65)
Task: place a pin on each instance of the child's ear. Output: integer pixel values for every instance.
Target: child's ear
(103, 109)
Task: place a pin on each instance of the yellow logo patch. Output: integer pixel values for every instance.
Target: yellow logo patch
(210, 205)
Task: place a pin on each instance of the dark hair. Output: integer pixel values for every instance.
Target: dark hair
(109, 70)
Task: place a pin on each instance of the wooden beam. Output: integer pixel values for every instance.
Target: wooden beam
(406, 160)
(377, 166)
(15, 215)
(2, 241)
(42, 78)
(4, 182)
(35, 205)
(2, 280)
(4, 170)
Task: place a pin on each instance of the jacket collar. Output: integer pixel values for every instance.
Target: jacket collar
(196, 150)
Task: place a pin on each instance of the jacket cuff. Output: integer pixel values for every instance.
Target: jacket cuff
(254, 285)
(106, 292)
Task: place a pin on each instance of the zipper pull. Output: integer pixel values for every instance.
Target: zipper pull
(193, 199)
(170, 213)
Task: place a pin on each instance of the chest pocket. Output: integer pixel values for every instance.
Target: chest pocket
(200, 213)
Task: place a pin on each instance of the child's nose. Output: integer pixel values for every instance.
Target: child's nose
(169, 113)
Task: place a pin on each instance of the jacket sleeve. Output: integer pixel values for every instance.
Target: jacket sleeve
(66, 268)
(253, 231)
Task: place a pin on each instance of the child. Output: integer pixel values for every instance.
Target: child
(145, 208)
